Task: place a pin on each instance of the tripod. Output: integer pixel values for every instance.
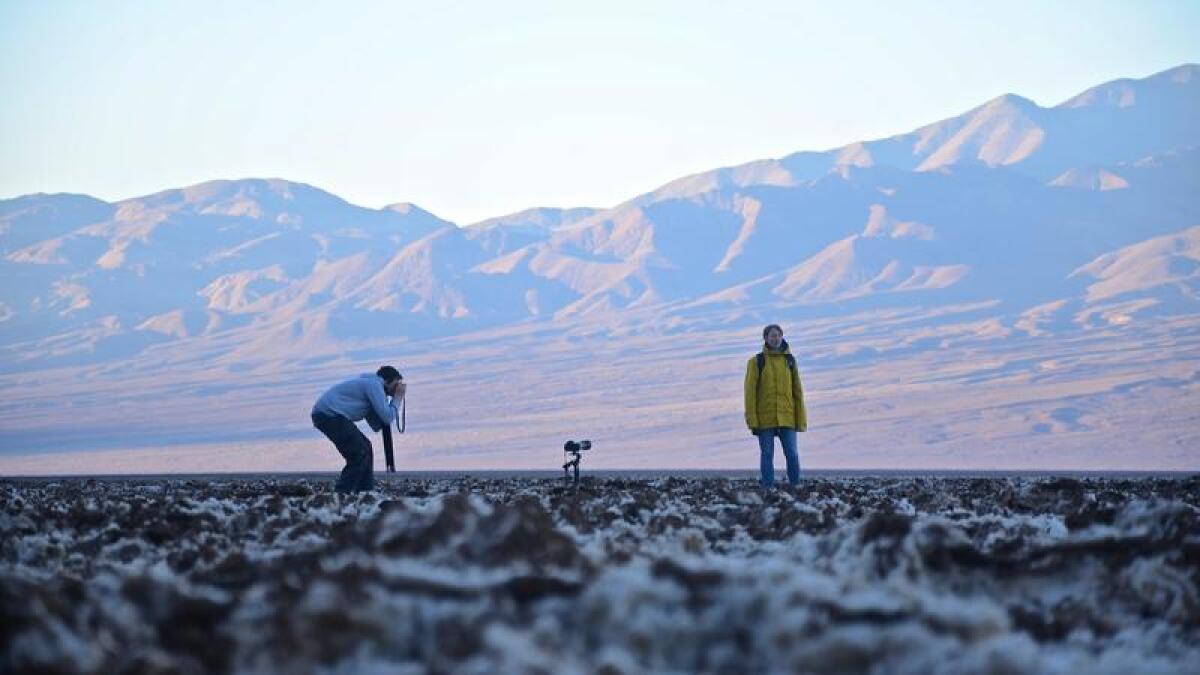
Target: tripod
(571, 463)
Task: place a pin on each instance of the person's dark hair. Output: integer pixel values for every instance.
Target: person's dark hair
(388, 373)
(768, 330)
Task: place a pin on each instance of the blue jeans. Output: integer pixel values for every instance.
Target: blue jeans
(354, 447)
(766, 447)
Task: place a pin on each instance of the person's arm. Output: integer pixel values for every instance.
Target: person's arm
(384, 412)
(373, 421)
(798, 401)
(751, 393)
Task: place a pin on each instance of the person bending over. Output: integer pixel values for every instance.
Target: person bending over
(362, 397)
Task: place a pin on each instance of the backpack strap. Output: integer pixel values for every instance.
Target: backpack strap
(761, 360)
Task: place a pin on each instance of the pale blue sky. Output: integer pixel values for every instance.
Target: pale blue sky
(477, 109)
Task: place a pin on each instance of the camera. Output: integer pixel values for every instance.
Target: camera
(573, 447)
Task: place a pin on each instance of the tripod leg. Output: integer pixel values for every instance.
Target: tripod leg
(388, 455)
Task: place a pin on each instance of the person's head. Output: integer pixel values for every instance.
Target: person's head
(773, 336)
(391, 378)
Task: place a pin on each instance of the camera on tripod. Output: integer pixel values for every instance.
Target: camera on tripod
(574, 449)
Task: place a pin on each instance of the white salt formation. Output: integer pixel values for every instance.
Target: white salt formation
(845, 575)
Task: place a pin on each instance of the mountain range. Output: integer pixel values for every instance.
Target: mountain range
(1060, 220)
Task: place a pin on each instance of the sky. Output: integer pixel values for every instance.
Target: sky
(477, 109)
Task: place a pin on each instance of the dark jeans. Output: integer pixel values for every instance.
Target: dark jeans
(355, 447)
(766, 449)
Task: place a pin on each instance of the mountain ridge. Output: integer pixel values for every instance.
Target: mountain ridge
(934, 212)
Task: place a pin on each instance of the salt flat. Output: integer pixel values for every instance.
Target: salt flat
(882, 391)
(848, 574)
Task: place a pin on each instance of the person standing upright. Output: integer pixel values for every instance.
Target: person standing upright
(775, 404)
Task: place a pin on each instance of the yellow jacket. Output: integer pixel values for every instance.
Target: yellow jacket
(777, 399)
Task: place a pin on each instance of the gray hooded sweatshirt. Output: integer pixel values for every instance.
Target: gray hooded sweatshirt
(359, 398)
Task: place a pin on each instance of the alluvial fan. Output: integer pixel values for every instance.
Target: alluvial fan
(839, 575)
